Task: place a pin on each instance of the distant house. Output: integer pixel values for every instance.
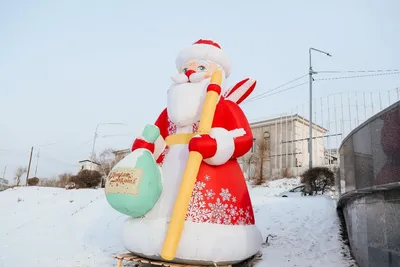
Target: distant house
(89, 165)
(3, 184)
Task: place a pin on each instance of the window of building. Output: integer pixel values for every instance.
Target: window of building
(267, 139)
(253, 147)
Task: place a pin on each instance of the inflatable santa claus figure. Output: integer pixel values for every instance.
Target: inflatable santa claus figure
(219, 225)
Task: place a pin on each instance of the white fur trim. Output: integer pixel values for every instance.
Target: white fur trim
(204, 52)
(225, 146)
(237, 132)
(199, 241)
(180, 78)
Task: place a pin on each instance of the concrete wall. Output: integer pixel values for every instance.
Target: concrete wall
(369, 185)
(373, 226)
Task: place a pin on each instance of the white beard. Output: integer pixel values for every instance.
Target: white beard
(185, 102)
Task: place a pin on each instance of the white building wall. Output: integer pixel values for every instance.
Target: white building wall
(89, 166)
(287, 153)
(302, 134)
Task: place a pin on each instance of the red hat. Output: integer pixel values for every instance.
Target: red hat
(204, 50)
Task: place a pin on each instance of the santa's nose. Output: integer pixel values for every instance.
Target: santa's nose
(189, 72)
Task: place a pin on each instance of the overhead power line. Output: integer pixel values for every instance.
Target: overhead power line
(273, 89)
(358, 76)
(274, 93)
(118, 135)
(356, 71)
(269, 93)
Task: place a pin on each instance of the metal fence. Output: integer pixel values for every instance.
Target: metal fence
(338, 113)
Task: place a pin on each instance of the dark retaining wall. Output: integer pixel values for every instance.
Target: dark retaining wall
(370, 189)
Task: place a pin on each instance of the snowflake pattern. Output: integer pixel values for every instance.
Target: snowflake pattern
(162, 156)
(210, 207)
(226, 196)
(195, 127)
(171, 127)
(209, 194)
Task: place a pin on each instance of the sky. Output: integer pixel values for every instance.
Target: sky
(66, 66)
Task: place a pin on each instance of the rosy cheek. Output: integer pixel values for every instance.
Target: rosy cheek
(208, 75)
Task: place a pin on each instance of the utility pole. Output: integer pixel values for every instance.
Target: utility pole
(37, 162)
(310, 73)
(92, 155)
(4, 172)
(29, 166)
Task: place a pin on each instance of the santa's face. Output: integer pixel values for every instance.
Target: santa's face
(200, 66)
(186, 95)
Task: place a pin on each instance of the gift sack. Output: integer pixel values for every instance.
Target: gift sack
(134, 184)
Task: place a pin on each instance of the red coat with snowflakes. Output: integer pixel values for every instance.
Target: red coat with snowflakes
(220, 195)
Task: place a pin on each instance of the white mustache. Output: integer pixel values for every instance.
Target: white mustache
(194, 78)
(180, 78)
(197, 77)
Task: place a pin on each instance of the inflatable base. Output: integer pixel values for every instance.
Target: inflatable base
(188, 262)
(200, 243)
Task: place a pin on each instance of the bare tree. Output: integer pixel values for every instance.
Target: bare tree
(64, 179)
(248, 160)
(260, 157)
(107, 161)
(18, 174)
(50, 182)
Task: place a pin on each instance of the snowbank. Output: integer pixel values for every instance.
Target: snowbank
(273, 188)
(301, 232)
(56, 227)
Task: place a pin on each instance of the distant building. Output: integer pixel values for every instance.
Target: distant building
(331, 156)
(286, 140)
(89, 165)
(3, 184)
(120, 154)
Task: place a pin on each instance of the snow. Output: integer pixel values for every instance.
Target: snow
(75, 228)
(273, 188)
(57, 227)
(302, 232)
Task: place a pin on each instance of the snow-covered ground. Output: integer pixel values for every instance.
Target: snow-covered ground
(56, 227)
(273, 188)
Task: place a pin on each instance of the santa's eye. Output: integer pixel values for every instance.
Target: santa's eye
(184, 70)
(201, 68)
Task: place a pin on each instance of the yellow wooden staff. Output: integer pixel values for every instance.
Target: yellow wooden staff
(189, 176)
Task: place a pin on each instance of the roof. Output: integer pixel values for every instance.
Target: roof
(126, 150)
(86, 160)
(278, 119)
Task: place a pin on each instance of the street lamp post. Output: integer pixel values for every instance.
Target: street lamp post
(95, 135)
(310, 73)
